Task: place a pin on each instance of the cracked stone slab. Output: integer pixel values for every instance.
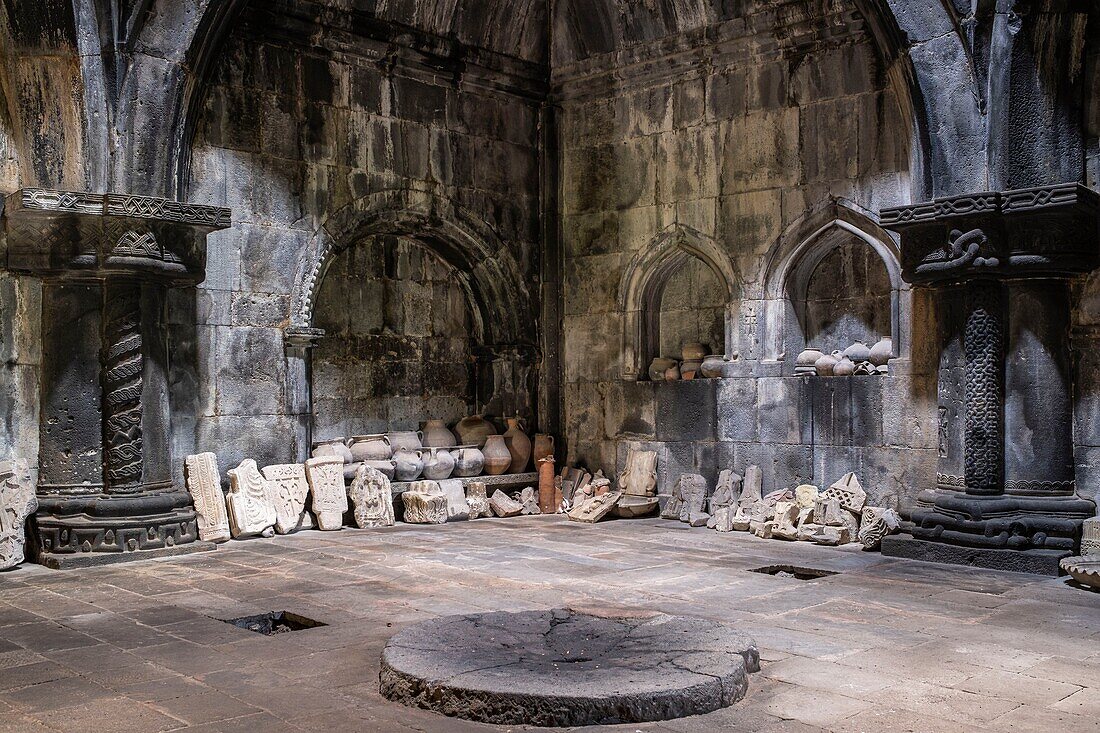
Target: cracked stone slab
(561, 667)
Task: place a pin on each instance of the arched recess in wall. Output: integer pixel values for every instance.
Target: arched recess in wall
(643, 284)
(792, 276)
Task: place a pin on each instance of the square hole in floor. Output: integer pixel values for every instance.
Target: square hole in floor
(791, 571)
(274, 622)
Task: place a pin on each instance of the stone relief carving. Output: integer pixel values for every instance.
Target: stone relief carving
(372, 497)
(250, 509)
(204, 483)
(289, 489)
(17, 502)
(326, 483)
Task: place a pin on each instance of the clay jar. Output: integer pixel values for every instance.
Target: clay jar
(693, 352)
(334, 447)
(806, 362)
(370, 448)
(882, 351)
(408, 464)
(844, 368)
(438, 464)
(544, 446)
(406, 440)
(436, 435)
(659, 366)
(469, 461)
(474, 430)
(519, 445)
(497, 457)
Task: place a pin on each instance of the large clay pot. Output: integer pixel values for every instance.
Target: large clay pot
(409, 465)
(658, 367)
(806, 362)
(712, 366)
(386, 468)
(473, 430)
(693, 352)
(519, 445)
(334, 447)
(436, 435)
(406, 440)
(497, 457)
(469, 461)
(438, 464)
(826, 364)
(844, 368)
(882, 351)
(543, 446)
(858, 352)
(370, 448)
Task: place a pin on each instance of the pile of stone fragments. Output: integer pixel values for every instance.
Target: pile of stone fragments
(285, 498)
(836, 516)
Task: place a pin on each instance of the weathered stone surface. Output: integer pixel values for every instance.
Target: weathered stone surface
(371, 497)
(876, 523)
(504, 505)
(17, 502)
(289, 491)
(326, 484)
(458, 508)
(251, 511)
(596, 508)
(204, 483)
(849, 492)
(425, 503)
(477, 501)
(563, 668)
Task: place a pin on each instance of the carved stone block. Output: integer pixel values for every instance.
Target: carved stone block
(639, 478)
(425, 503)
(289, 490)
(326, 482)
(595, 508)
(877, 522)
(458, 508)
(478, 501)
(17, 502)
(204, 483)
(372, 497)
(849, 492)
(504, 505)
(251, 512)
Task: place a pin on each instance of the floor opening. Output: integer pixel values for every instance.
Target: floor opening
(790, 571)
(274, 622)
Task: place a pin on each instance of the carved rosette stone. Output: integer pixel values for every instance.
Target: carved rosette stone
(372, 497)
(204, 483)
(326, 483)
(251, 511)
(289, 491)
(17, 502)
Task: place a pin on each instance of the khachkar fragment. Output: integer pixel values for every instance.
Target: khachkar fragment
(876, 523)
(425, 503)
(204, 483)
(289, 490)
(477, 500)
(372, 497)
(17, 502)
(326, 483)
(596, 508)
(504, 505)
(250, 509)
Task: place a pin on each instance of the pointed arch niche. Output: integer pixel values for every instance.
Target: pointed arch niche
(833, 277)
(642, 290)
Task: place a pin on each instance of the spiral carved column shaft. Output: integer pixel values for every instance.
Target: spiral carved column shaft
(983, 344)
(122, 387)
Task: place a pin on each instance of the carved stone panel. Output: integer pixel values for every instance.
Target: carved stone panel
(250, 509)
(326, 482)
(204, 483)
(17, 502)
(372, 497)
(289, 489)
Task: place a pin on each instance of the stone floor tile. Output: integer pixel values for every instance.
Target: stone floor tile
(1018, 687)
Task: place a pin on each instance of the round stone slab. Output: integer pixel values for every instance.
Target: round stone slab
(562, 668)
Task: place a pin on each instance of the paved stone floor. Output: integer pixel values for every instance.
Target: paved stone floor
(885, 645)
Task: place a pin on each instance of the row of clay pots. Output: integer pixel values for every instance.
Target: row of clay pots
(856, 359)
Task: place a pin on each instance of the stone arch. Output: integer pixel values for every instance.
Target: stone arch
(792, 260)
(487, 272)
(643, 283)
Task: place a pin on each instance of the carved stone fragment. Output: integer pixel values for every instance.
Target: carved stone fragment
(877, 522)
(289, 490)
(372, 497)
(17, 502)
(250, 509)
(204, 483)
(849, 492)
(504, 505)
(595, 508)
(425, 503)
(457, 506)
(478, 501)
(326, 482)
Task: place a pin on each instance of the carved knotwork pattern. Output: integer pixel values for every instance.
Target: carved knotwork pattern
(122, 385)
(983, 423)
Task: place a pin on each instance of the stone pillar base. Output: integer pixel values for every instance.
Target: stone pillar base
(1037, 562)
